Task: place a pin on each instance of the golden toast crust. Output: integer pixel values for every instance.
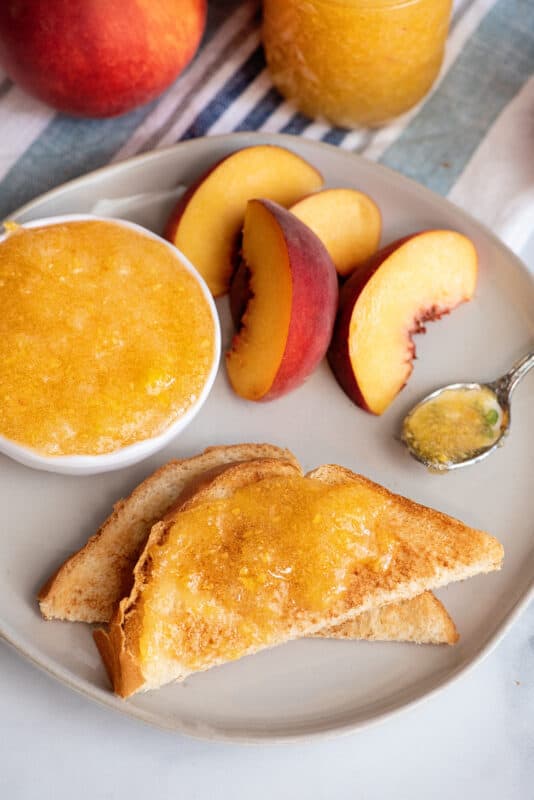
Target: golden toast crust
(432, 550)
(119, 645)
(422, 619)
(90, 583)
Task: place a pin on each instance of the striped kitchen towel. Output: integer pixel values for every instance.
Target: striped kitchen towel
(472, 138)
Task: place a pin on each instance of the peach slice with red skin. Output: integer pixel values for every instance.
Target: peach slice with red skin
(285, 299)
(412, 281)
(206, 223)
(347, 222)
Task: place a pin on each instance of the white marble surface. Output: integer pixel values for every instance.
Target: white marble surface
(473, 740)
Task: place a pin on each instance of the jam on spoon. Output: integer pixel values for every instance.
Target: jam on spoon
(462, 423)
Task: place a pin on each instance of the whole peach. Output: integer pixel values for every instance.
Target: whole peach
(98, 58)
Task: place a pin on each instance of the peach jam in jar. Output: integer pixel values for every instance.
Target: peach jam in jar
(355, 62)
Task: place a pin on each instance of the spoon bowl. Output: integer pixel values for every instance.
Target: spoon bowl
(492, 403)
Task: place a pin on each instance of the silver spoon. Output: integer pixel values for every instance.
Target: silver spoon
(501, 389)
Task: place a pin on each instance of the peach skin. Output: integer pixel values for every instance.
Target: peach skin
(98, 58)
(285, 301)
(412, 281)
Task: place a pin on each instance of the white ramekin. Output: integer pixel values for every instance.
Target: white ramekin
(90, 465)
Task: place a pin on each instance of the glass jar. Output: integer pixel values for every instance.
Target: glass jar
(355, 62)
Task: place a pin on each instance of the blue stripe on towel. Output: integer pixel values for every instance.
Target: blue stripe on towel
(335, 136)
(261, 111)
(231, 90)
(68, 147)
(296, 124)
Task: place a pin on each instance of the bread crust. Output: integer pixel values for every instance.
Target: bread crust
(422, 619)
(90, 583)
(432, 549)
(119, 644)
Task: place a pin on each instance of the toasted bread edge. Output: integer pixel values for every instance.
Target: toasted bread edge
(120, 643)
(67, 595)
(488, 549)
(422, 620)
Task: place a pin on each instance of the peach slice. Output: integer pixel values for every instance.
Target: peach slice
(410, 282)
(346, 221)
(206, 223)
(285, 298)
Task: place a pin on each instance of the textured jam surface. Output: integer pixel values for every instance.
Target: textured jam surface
(355, 62)
(454, 426)
(233, 572)
(105, 339)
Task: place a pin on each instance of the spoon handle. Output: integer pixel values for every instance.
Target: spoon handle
(508, 382)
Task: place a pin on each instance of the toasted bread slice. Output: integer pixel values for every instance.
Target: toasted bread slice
(191, 633)
(423, 620)
(89, 584)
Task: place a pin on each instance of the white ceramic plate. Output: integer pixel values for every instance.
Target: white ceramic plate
(308, 687)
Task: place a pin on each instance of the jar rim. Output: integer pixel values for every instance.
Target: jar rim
(367, 3)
